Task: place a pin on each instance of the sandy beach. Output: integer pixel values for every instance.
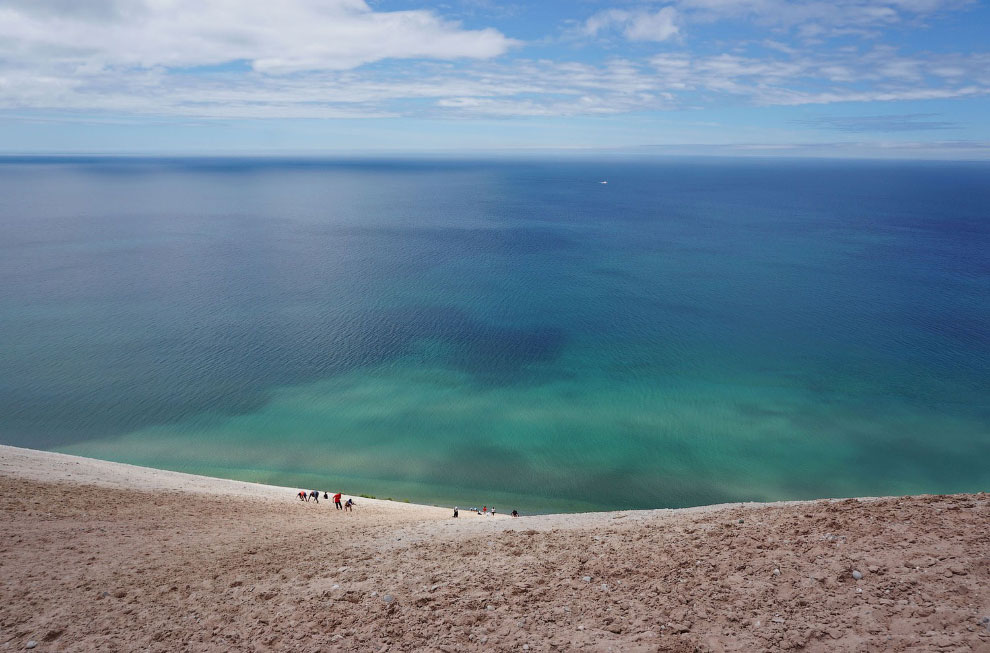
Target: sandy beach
(103, 556)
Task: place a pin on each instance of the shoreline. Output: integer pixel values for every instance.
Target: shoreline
(47, 466)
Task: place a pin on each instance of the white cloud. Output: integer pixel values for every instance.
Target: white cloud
(641, 25)
(658, 26)
(878, 75)
(510, 88)
(275, 37)
(910, 122)
(819, 18)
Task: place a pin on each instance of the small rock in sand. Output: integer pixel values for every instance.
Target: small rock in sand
(776, 572)
(587, 579)
(31, 644)
(388, 598)
(858, 575)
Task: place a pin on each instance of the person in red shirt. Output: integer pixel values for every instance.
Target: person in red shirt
(336, 501)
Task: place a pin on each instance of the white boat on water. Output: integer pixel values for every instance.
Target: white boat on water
(603, 182)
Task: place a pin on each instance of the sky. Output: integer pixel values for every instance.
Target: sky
(856, 78)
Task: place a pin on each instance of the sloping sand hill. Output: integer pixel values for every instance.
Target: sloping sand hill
(102, 556)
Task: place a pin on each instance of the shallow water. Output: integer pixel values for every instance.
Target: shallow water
(517, 333)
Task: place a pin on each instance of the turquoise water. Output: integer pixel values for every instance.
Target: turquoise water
(511, 333)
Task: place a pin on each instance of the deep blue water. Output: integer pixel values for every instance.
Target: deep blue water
(694, 331)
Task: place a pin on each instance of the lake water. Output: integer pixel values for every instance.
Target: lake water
(507, 333)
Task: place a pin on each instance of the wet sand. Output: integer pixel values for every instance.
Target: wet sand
(102, 556)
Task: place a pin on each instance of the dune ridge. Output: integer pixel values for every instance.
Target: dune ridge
(103, 556)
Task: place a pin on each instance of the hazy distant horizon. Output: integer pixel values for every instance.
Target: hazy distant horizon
(645, 153)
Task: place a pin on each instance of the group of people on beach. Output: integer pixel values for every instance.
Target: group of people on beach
(484, 511)
(315, 496)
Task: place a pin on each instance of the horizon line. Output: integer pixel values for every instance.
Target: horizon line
(745, 152)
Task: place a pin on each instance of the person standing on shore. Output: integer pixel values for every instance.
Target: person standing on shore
(455, 511)
(336, 501)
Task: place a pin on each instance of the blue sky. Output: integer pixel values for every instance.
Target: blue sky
(874, 78)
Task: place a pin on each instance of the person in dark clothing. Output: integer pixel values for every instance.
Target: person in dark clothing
(315, 496)
(455, 511)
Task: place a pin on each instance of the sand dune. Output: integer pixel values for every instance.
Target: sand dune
(110, 557)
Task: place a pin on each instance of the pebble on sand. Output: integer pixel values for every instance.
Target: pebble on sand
(31, 644)
(586, 579)
(388, 598)
(857, 574)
